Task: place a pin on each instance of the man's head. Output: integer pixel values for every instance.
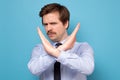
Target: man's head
(55, 19)
(64, 14)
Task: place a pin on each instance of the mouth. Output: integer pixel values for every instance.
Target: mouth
(51, 34)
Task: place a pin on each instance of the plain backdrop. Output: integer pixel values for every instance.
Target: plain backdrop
(100, 27)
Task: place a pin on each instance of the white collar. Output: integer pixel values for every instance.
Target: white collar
(63, 41)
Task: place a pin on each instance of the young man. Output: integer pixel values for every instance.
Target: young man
(75, 59)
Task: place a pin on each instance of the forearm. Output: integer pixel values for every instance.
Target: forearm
(40, 60)
(83, 64)
(40, 64)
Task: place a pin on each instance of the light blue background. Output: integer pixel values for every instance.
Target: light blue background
(100, 27)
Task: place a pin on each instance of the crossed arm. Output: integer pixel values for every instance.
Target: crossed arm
(56, 51)
(83, 63)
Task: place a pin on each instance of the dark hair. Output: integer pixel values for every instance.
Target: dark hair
(53, 7)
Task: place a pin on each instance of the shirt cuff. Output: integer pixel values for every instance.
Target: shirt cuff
(62, 57)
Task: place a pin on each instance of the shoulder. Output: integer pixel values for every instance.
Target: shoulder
(38, 48)
(84, 48)
(83, 45)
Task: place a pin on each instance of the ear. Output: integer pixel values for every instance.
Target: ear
(66, 24)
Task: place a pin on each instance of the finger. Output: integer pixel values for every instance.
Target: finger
(39, 31)
(48, 47)
(42, 37)
(76, 29)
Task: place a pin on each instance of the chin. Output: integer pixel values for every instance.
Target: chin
(54, 40)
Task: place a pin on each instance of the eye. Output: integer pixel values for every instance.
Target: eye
(45, 24)
(53, 23)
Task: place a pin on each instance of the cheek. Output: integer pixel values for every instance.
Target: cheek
(60, 31)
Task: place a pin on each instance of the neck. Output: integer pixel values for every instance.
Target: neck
(64, 37)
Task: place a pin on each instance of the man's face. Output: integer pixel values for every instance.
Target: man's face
(55, 29)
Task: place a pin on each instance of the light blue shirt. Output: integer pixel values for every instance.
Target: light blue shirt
(76, 63)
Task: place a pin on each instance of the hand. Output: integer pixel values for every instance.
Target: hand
(48, 47)
(70, 40)
(67, 45)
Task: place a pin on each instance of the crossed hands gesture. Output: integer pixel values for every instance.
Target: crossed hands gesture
(69, 43)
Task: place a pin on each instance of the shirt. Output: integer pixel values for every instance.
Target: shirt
(76, 63)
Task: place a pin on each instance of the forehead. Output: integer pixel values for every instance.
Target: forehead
(54, 16)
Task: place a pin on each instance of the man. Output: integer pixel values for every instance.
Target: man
(75, 59)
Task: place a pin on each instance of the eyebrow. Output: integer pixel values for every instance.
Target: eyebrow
(50, 23)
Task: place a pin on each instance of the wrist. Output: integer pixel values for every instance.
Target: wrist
(61, 48)
(56, 53)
